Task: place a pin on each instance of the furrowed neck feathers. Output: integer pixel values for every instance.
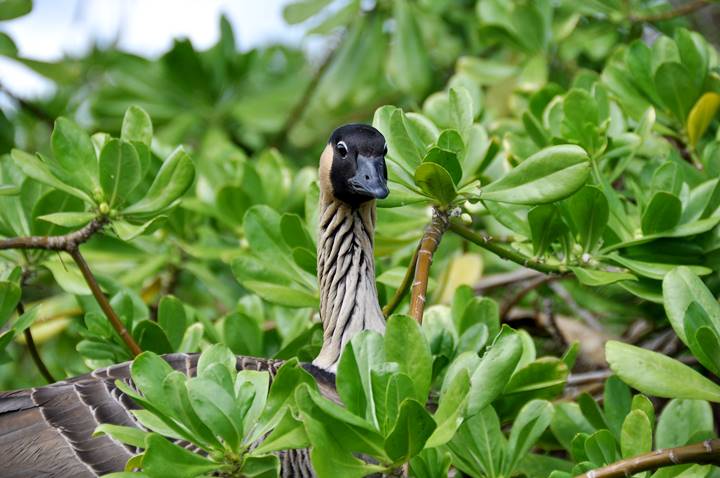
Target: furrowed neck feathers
(346, 276)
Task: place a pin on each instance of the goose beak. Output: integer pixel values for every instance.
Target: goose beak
(370, 180)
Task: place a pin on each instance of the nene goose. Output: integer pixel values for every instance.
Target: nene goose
(47, 431)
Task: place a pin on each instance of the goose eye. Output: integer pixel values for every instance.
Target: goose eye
(385, 150)
(342, 149)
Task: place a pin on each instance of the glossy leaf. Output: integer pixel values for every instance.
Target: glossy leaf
(119, 171)
(547, 176)
(652, 373)
(172, 180)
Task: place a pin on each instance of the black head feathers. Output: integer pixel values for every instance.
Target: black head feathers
(358, 172)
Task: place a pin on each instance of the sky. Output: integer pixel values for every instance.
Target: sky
(147, 27)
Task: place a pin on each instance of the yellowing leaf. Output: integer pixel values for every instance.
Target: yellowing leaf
(465, 269)
(701, 115)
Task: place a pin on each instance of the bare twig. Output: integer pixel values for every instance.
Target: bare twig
(707, 452)
(70, 243)
(680, 11)
(404, 286)
(505, 278)
(34, 353)
(584, 314)
(104, 303)
(532, 284)
(486, 242)
(65, 242)
(428, 245)
(576, 379)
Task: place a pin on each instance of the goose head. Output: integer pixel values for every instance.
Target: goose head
(352, 166)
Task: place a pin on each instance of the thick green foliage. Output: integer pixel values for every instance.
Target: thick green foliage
(579, 139)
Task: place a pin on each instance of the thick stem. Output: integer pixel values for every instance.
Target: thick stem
(428, 245)
(487, 243)
(680, 11)
(66, 242)
(104, 303)
(706, 452)
(34, 351)
(404, 286)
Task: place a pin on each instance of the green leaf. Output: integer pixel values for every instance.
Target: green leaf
(461, 108)
(542, 378)
(408, 65)
(681, 288)
(580, 120)
(9, 297)
(26, 320)
(546, 226)
(530, 423)
(588, 211)
(243, 334)
(288, 433)
(148, 371)
(617, 404)
(137, 126)
(450, 140)
(171, 317)
(436, 182)
(267, 466)
(662, 213)
(364, 352)
(601, 448)
(299, 11)
(216, 408)
(128, 435)
(164, 459)
(448, 160)
(479, 447)
(352, 432)
(216, 354)
(281, 395)
(495, 369)
(547, 176)
(653, 270)
(676, 89)
(329, 457)
(74, 159)
(283, 295)
(413, 427)
(568, 421)
(175, 176)
(68, 219)
(405, 344)
(636, 435)
(39, 170)
(119, 171)
(10, 9)
(680, 420)
(656, 374)
(702, 339)
(451, 409)
(294, 232)
(596, 278)
(152, 337)
(176, 395)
